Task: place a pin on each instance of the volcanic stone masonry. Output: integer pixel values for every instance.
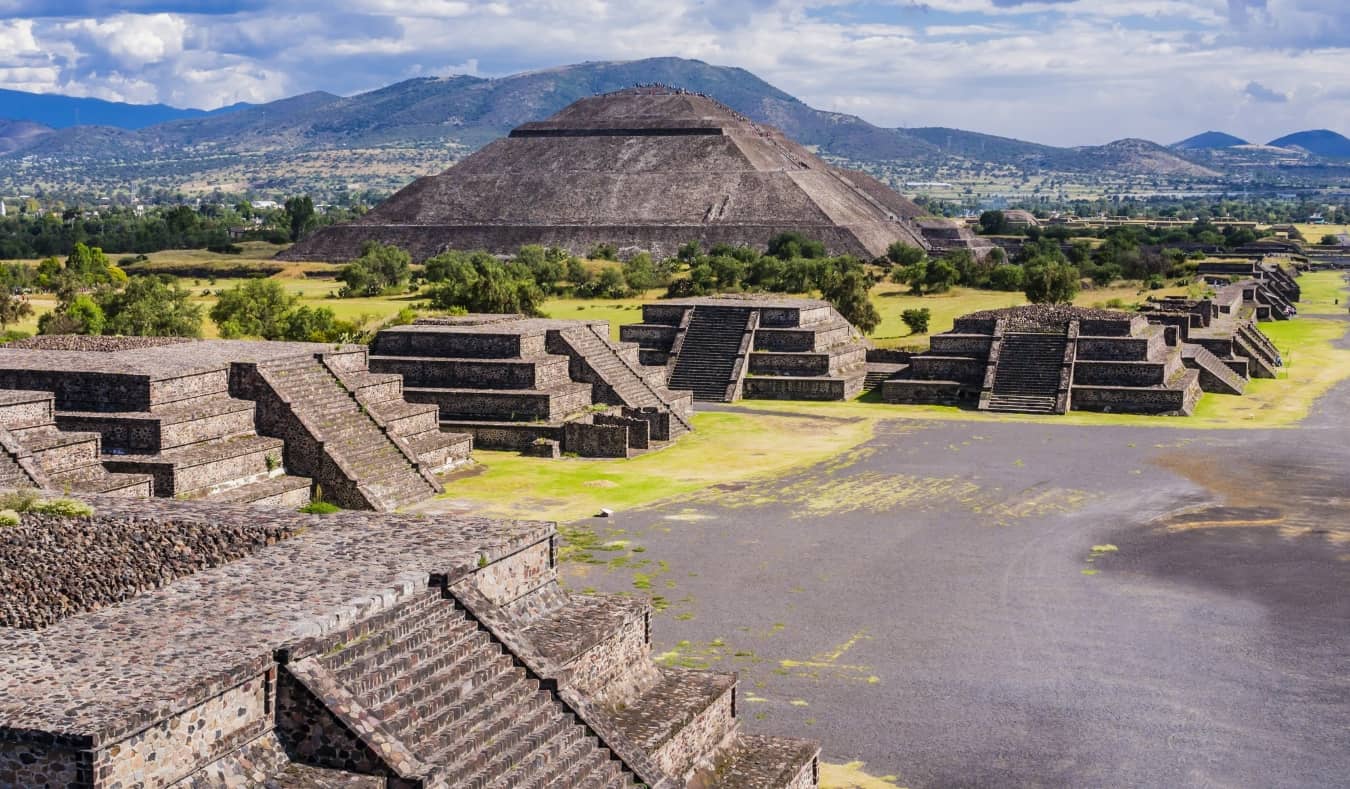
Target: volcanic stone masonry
(1052, 359)
(642, 169)
(364, 650)
(236, 421)
(536, 385)
(724, 348)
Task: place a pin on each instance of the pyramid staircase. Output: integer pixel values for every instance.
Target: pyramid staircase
(621, 375)
(707, 363)
(358, 462)
(450, 698)
(447, 688)
(1027, 373)
(1215, 374)
(35, 453)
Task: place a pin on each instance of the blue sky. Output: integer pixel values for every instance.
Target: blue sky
(1063, 72)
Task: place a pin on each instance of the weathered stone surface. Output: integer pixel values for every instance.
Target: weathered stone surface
(642, 169)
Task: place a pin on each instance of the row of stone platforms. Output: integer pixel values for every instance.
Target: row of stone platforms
(727, 347)
(1052, 359)
(195, 644)
(248, 422)
(533, 384)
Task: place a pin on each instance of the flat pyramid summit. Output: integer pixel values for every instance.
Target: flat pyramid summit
(647, 168)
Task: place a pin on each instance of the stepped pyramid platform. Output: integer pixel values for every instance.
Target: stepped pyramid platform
(1252, 289)
(246, 422)
(648, 169)
(529, 383)
(724, 348)
(365, 650)
(1231, 337)
(1052, 359)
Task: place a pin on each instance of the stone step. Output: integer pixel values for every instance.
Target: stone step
(485, 712)
(56, 450)
(758, 762)
(603, 637)
(680, 719)
(436, 450)
(402, 418)
(96, 479)
(404, 617)
(201, 469)
(20, 408)
(565, 755)
(541, 723)
(204, 419)
(422, 670)
(285, 491)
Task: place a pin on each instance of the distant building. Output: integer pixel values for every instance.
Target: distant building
(266, 205)
(2, 208)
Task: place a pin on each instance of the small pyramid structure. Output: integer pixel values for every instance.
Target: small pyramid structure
(647, 168)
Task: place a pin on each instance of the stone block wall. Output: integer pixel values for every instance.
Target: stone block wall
(42, 761)
(1127, 400)
(1125, 349)
(465, 345)
(512, 576)
(595, 441)
(1095, 373)
(517, 436)
(775, 388)
(184, 743)
(950, 368)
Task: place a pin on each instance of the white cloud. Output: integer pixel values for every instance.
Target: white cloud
(1061, 72)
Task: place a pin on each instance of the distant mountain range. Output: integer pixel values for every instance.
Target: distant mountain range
(59, 112)
(381, 139)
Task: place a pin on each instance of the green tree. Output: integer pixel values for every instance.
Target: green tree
(256, 308)
(902, 254)
(478, 282)
(1331, 240)
(151, 306)
(993, 223)
(848, 292)
(13, 308)
(917, 319)
(608, 284)
(940, 275)
(786, 246)
(604, 252)
(80, 315)
(547, 269)
(1048, 282)
(380, 269)
(300, 216)
(316, 324)
(640, 273)
(1006, 276)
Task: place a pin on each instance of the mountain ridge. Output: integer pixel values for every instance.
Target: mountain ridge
(419, 126)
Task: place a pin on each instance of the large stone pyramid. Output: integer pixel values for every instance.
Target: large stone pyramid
(646, 168)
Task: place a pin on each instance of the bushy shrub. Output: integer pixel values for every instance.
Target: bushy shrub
(9, 518)
(320, 508)
(64, 508)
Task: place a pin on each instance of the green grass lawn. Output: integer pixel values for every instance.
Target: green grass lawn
(1323, 293)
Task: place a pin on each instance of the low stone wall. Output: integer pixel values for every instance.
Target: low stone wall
(918, 392)
(148, 433)
(595, 441)
(52, 567)
(505, 435)
(889, 356)
(949, 368)
(1129, 401)
(799, 340)
(1126, 349)
(658, 422)
(960, 344)
(18, 411)
(668, 314)
(513, 576)
(475, 373)
(505, 405)
(784, 388)
(463, 345)
(649, 335)
(25, 763)
(84, 391)
(787, 317)
(639, 430)
(181, 744)
(766, 363)
(1093, 373)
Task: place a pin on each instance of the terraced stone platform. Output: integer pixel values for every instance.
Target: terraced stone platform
(1052, 359)
(246, 421)
(728, 347)
(518, 383)
(364, 650)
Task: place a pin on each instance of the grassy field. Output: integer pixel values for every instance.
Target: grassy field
(1313, 233)
(1322, 293)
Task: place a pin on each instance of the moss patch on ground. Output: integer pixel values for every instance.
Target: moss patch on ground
(724, 447)
(851, 775)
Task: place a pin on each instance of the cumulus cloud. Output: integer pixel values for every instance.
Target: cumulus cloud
(1057, 71)
(1258, 92)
